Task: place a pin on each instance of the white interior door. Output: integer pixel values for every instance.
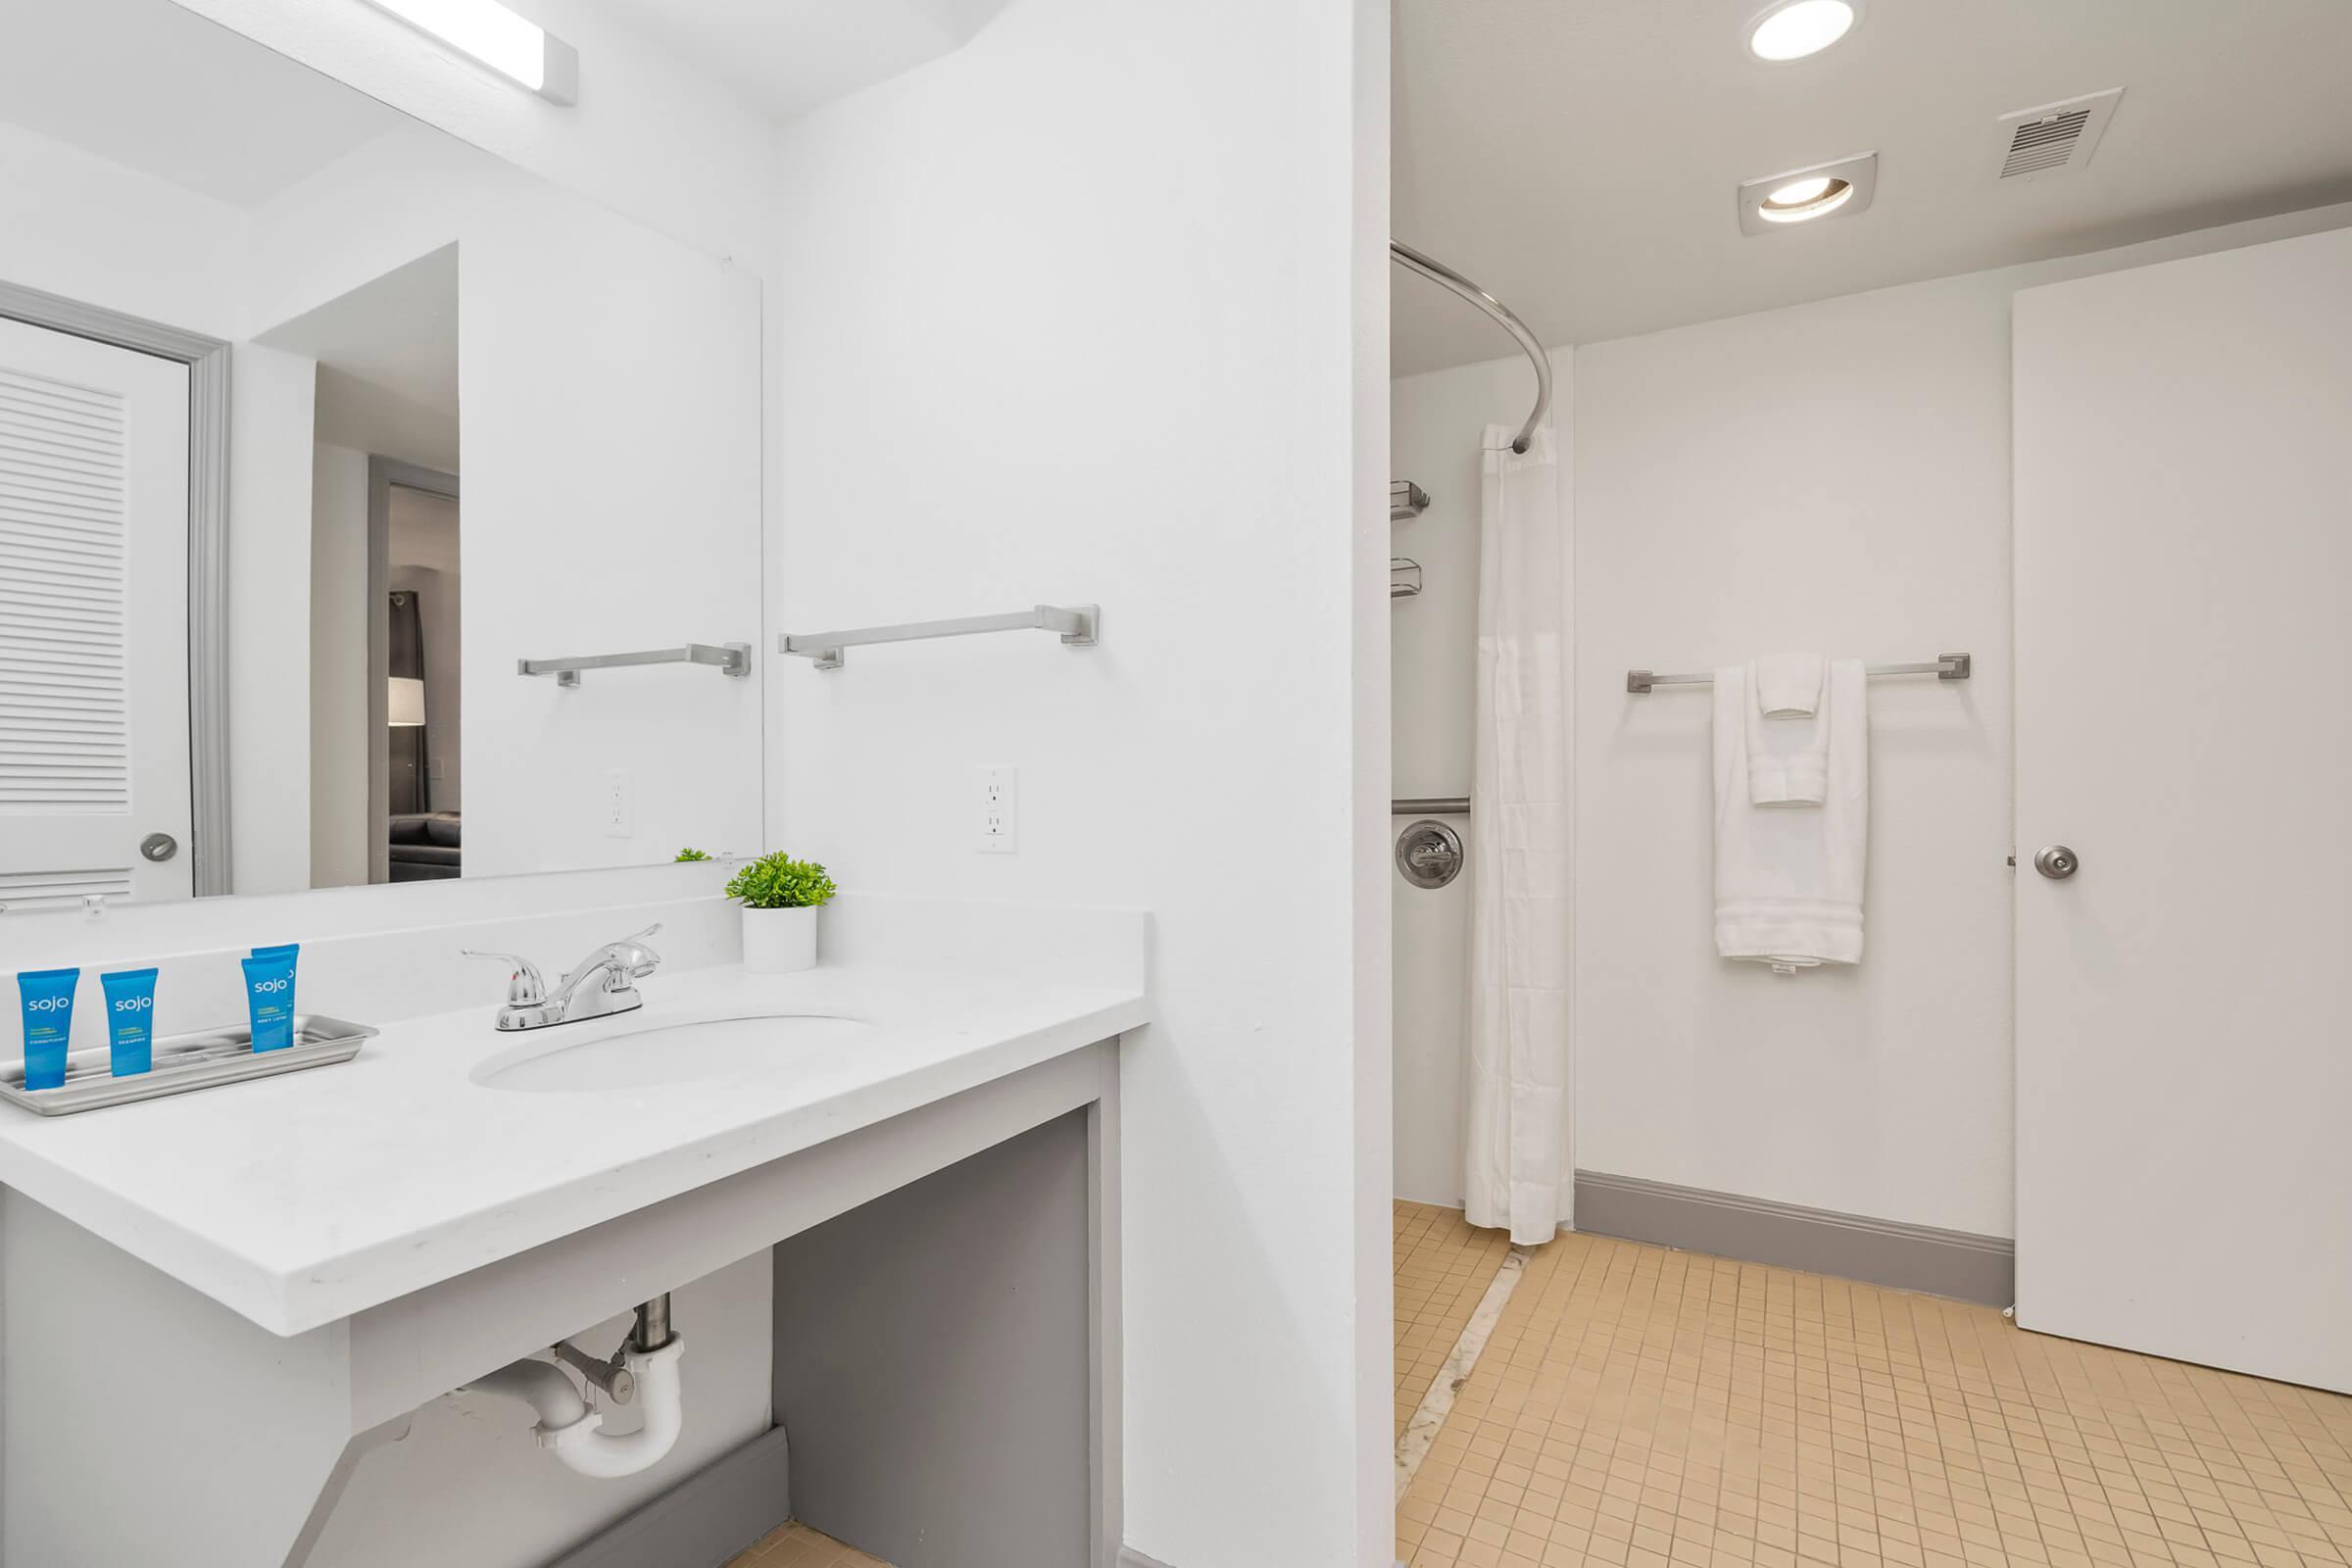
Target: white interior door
(93, 619)
(2184, 443)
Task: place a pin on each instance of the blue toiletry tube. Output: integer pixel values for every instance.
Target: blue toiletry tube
(48, 1024)
(130, 1019)
(292, 954)
(270, 995)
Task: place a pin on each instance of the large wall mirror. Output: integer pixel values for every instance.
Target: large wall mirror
(328, 444)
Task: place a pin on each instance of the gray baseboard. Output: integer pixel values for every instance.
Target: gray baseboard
(705, 1519)
(1820, 1240)
(1129, 1557)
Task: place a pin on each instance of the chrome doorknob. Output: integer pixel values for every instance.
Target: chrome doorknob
(2057, 863)
(159, 846)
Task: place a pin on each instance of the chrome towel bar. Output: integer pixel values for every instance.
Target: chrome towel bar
(1945, 666)
(1431, 806)
(1076, 624)
(729, 659)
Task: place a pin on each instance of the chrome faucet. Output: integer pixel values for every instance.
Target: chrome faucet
(600, 985)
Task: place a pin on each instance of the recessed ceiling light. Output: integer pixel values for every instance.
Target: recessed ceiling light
(1799, 191)
(1777, 202)
(1801, 199)
(1796, 28)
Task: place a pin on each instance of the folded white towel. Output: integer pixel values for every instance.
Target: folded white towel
(1788, 731)
(1788, 883)
(1789, 685)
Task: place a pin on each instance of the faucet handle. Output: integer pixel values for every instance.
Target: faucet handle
(524, 986)
(643, 959)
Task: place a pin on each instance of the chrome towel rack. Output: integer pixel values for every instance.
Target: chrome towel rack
(1407, 500)
(1077, 626)
(1945, 666)
(728, 659)
(1404, 577)
(1431, 806)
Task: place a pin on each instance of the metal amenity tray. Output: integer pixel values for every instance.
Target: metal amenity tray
(183, 1062)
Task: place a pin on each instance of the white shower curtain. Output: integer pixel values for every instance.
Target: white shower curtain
(1519, 1170)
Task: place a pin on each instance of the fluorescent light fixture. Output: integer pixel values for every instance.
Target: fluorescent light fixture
(514, 46)
(404, 701)
(1796, 28)
(1778, 202)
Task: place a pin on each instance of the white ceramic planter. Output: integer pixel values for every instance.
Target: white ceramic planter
(779, 941)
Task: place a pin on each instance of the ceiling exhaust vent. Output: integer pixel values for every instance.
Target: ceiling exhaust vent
(2054, 139)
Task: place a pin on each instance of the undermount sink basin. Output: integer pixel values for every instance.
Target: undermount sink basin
(657, 1054)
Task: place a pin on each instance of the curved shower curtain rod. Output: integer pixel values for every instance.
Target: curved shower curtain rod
(1444, 277)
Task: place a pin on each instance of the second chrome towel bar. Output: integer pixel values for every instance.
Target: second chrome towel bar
(1076, 624)
(1945, 666)
(728, 659)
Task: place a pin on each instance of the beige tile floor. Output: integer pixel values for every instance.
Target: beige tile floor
(1644, 1408)
(796, 1545)
(1443, 1267)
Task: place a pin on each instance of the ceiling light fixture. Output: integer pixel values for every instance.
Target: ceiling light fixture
(1802, 199)
(1779, 201)
(511, 45)
(1795, 28)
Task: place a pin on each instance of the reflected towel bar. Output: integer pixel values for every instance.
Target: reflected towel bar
(1946, 666)
(1077, 626)
(729, 659)
(1431, 806)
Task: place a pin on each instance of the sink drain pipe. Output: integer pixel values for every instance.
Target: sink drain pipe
(644, 1372)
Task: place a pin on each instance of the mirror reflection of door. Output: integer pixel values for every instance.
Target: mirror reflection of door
(94, 621)
(424, 823)
(404, 700)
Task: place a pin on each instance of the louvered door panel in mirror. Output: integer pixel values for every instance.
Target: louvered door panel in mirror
(64, 735)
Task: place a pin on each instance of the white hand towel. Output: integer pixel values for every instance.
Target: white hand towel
(1789, 685)
(1788, 883)
(1788, 731)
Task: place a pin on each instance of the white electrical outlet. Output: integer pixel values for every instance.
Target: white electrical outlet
(620, 804)
(999, 810)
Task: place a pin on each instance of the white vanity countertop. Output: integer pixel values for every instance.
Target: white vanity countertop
(301, 1199)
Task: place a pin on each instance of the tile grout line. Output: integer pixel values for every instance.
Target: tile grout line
(1429, 1418)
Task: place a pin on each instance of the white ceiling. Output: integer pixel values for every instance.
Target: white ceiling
(1578, 156)
(788, 56)
(387, 355)
(155, 88)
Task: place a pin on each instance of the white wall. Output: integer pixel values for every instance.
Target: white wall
(1068, 317)
(1832, 475)
(93, 230)
(339, 741)
(270, 425)
(1439, 419)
